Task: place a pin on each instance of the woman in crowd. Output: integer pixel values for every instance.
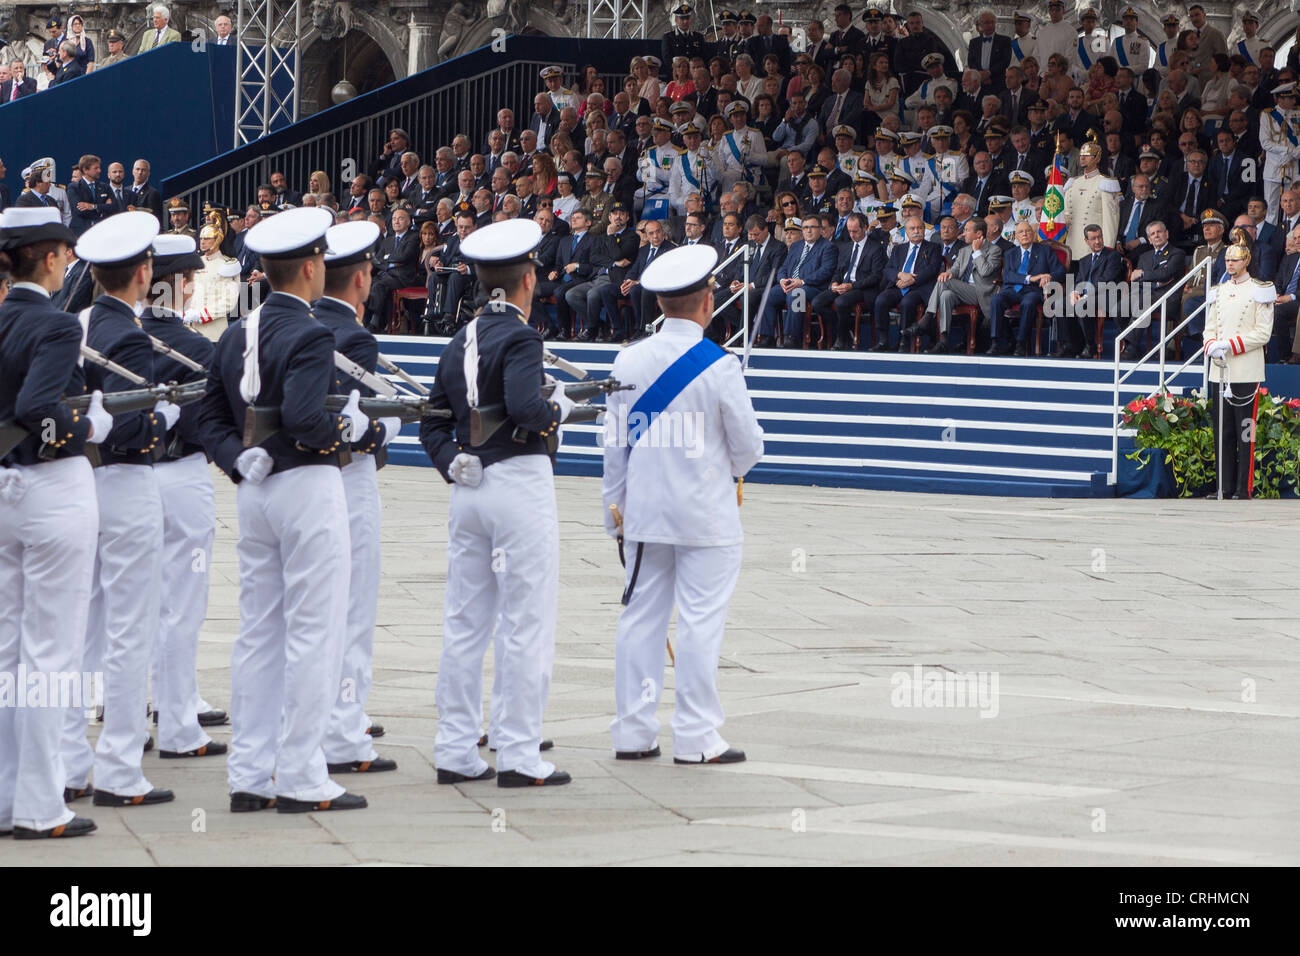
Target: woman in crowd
(785, 205)
(392, 196)
(718, 128)
(1031, 79)
(1214, 94)
(1101, 80)
(1056, 84)
(649, 88)
(1193, 122)
(544, 174)
(565, 201)
(430, 238)
(85, 54)
(748, 84)
(318, 183)
(963, 134)
(883, 90)
(681, 83)
(558, 145)
(636, 102)
(595, 121)
(765, 119)
(588, 82)
(815, 90)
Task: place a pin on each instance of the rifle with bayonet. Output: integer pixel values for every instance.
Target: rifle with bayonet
(485, 420)
(263, 421)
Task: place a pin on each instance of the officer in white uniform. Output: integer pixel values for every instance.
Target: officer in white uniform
(294, 541)
(741, 155)
(503, 533)
(57, 193)
(655, 169)
(692, 172)
(949, 165)
(1238, 326)
(126, 599)
(1279, 135)
(932, 63)
(1022, 207)
(349, 747)
(1169, 46)
(673, 489)
(1057, 35)
(1131, 49)
(561, 96)
(48, 519)
(1022, 44)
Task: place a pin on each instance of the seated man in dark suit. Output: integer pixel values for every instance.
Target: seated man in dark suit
(1285, 309)
(856, 281)
(1159, 269)
(983, 183)
(906, 284)
(1136, 212)
(1194, 192)
(544, 262)
(1096, 283)
(1026, 271)
(450, 277)
(1264, 256)
(574, 265)
(764, 263)
(804, 275)
(645, 307)
(396, 267)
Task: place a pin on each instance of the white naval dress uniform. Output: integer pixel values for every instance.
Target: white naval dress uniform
(681, 514)
(692, 173)
(655, 172)
(1279, 135)
(740, 156)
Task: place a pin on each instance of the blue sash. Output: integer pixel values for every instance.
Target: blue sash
(1280, 119)
(1160, 54)
(1119, 52)
(686, 171)
(1245, 51)
(1083, 55)
(689, 366)
(735, 152)
(1015, 48)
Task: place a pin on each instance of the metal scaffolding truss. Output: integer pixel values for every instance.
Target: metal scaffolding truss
(266, 67)
(616, 19)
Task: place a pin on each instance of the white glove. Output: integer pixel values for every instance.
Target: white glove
(1217, 350)
(352, 412)
(566, 404)
(254, 464)
(170, 413)
(466, 470)
(392, 426)
(101, 422)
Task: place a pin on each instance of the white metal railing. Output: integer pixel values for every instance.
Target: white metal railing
(745, 250)
(1143, 321)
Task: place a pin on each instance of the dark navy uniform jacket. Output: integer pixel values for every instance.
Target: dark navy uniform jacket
(116, 333)
(297, 368)
(167, 326)
(352, 339)
(39, 346)
(510, 370)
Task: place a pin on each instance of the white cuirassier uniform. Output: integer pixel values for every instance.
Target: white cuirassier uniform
(675, 490)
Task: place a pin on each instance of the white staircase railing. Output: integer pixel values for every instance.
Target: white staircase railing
(747, 251)
(1141, 323)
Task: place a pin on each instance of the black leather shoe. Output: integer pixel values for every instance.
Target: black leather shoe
(1129, 355)
(1291, 359)
(103, 798)
(731, 755)
(375, 730)
(880, 347)
(513, 778)
(996, 349)
(213, 718)
(1062, 354)
(148, 744)
(77, 826)
(242, 802)
(1021, 351)
(211, 749)
(451, 776)
(938, 348)
(636, 754)
(378, 765)
(586, 336)
(345, 801)
(77, 793)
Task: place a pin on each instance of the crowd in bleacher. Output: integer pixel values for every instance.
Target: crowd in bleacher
(888, 199)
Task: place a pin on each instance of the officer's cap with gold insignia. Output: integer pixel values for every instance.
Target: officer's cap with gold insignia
(350, 243)
(596, 171)
(1249, 17)
(1213, 215)
(996, 130)
(122, 240)
(549, 71)
(54, 21)
(1286, 89)
(737, 106)
(940, 132)
(1129, 13)
(681, 106)
(1036, 106)
(1021, 177)
(817, 172)
(861, 175)
(1055, 3)
(872, 15)
(115, 37)
(683, 10)
(24, 225)
(1088, 14)
(662, 125)
(845, 130)
(884, 132)
(503, 243)
(173, 253)
(908, 137)
(1000, 202)
(1148, 152)
(652, 61)
(727, 16)
(293, 234)
(1021, 18)
(909, 200)
(177, 205)
(887, 211)
(747, 17)
(930, 59)
(681, 271)
(900, 175)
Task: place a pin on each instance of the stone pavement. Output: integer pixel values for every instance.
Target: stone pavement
(1134, 669)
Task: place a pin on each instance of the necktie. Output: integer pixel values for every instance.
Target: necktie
(1024, 263)
(911, 259)
(1020, 161)
(1092, 268)
(158, 38)
(835, 111)
(1190, 207)
(1295, 280)
(853, 266)
(1130, 232)
(1227, 166)
(13, 91)
(117, 191)
(979, 196)
(650, 255)
(799, 264)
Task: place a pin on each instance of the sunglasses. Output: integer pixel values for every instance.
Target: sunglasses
(787, 202)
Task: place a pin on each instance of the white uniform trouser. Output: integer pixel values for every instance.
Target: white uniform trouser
(47, 559)
(123, 623)
(700, 581)
(1273, 196)
(347, 740)
(503, 556)
(189, 520)
(293, 604)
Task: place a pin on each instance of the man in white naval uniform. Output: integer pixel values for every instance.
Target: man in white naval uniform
(502, 529)
(670, 492)
(348, 745)
(1238, 326)
(1057, 35)
(741, 155)
(655, 171)
(692, 172)
(126, 599)
(1131, 49)
(294, 540)
(48, 519)
(1279, 135)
